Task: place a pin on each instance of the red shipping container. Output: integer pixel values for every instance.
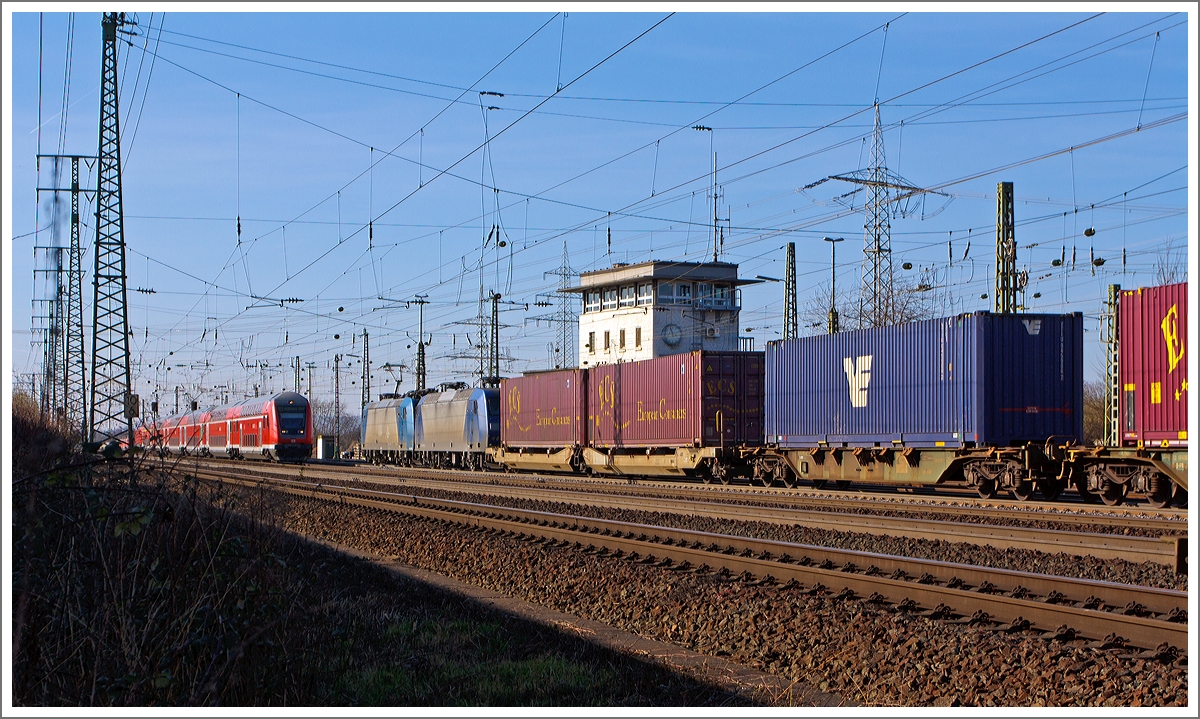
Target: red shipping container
(544, 409)
(1152, 366)
(698, 399)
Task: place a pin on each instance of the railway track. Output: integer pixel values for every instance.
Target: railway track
(1148, 518)
(1110, 614)
(859, 498)
(1169, 550)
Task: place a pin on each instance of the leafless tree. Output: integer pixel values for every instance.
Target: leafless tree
(325, 422)
(1169, 266)
(911, 301)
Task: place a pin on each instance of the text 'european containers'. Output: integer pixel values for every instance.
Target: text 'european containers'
(698, 399)
(544, 409)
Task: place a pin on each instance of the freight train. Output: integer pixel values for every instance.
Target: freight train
(994, 402)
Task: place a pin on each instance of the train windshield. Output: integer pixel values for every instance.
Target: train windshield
(292, 421)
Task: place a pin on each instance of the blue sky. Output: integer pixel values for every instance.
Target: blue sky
(279, 118)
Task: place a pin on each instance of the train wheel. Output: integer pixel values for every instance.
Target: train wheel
(1023, 491)
(1161, 491)
(1084, 493)
(820, 483)
(1113, 493)
(986, 488)
(843, 484)
(1181, 497)
(1051, 489)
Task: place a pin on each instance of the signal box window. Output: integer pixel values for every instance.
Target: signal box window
(610, 298)
(592, 302)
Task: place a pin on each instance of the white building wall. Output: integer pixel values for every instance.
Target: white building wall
(690, 328)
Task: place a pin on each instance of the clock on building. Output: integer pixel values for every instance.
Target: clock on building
(672, 334)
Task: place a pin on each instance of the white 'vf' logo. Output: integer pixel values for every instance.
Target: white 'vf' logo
(859, 376)
(1032, 326)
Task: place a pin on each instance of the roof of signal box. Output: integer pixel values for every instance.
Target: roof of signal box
(661, 270)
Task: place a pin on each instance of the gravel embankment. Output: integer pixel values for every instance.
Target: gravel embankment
(869, 655)
(1147, 574)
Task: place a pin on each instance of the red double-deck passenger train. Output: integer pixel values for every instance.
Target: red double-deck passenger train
(279, 427)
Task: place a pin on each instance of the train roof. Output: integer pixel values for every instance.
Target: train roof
(221, 411)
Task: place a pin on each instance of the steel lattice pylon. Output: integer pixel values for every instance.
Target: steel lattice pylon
(1112, 365)
(791, 323)
(877, 242)
(112, 406)
(1006, 251)
(73, 389)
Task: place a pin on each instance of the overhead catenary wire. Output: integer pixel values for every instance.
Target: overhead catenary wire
(527, 201)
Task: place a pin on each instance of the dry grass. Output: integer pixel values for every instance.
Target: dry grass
(136, 585)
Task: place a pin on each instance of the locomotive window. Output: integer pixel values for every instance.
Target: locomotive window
(292, 421)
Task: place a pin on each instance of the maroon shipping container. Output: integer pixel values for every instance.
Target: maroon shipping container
(544, 409)
(699, 399)
(1152, 366)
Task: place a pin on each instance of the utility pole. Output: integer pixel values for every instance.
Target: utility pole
(493, 374)
(297, 374)
(366, 372)
(1006, 251)
(337, 403)
(310, 366)
(791, 326)
(113, 406)
(420, 302)
(834, 327)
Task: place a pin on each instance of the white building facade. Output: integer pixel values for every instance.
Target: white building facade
(652, 309)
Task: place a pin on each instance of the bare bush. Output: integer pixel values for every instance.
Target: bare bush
(1095, 412)
(136, 585)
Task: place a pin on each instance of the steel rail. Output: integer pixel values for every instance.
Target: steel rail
(1170, 551)
(1077, 514)
(946, 597)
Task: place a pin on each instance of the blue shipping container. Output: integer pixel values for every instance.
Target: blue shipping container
(972, 380)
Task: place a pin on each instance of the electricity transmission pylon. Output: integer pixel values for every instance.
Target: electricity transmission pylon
(565, 319)
(113, 405)
(889, 193)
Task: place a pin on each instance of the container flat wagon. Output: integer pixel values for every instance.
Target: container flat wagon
(543, 421)
(980, 398)
(681, 415)
(1150, 454)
